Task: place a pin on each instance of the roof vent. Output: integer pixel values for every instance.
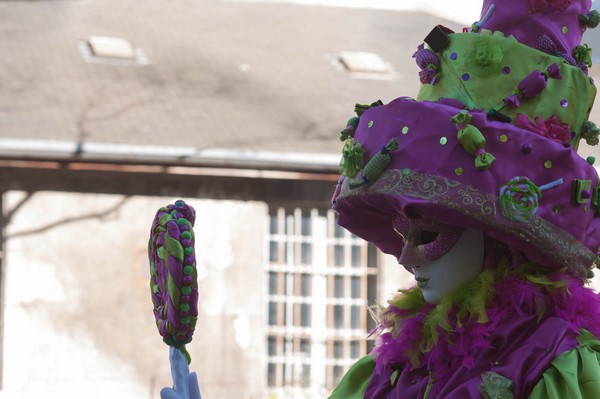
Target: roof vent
(111, 50)
(366, 65)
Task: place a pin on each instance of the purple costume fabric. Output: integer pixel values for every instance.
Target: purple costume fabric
(521, 351)
(518, 342)
(446, 187)
(525, 20)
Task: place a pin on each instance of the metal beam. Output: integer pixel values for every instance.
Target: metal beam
(281, 188)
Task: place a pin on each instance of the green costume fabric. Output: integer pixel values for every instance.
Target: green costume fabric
(355, 381)
(573, 375)
(474, 62)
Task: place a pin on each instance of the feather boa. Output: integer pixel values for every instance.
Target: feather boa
(448, 334)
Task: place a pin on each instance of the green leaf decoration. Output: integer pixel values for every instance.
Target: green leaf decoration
(463, 117)
(487, 53)
(472, 140)
(376, 165)
(350, 129)
(496, 386)
(352, 158)
(583, 54)
(590, 132)
(484, 161)
(591, 20)
(360, 108)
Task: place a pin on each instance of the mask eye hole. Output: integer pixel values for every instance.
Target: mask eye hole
(427, 237)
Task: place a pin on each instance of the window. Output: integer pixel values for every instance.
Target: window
(320, 281)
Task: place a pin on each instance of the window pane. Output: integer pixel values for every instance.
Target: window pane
(338, 231)
(305, 315)
(338, 286)
(272, 374)
(337, 373)
(338, 255)
(306, 229)
(306, 253)
(371, 255)
(273, 224)
(338, 316)
(273, 283)
(272, 313)
(355, 316)
(305, 346)
(355, 286)
(272, 344)
(338, 349)
(305, 285)
(273, 249)
(354, 349)
(286, 284)
(356, 258)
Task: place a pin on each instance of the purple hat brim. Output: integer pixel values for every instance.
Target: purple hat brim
(432, 176)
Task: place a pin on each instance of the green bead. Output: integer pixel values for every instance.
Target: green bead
(186, 290)
(186, 235)
(179, 203)
(590, 275)
(184, 307)
(182, 221)
(189, 251)
(187, 270)
(591, 160)
(186, 320)
(164, 219)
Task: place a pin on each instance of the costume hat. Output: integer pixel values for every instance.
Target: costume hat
(490, 143)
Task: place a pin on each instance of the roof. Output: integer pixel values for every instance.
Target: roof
(242, 76)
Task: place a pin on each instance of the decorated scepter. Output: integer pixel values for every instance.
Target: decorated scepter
(174, 289)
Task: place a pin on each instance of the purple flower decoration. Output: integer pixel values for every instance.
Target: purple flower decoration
(551, 128)
(533, 85)
(428, 62)
(427, 76)
(543, 5)
(512, 101)
(547, 45)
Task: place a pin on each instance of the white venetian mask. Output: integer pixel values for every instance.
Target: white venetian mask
(442, 257)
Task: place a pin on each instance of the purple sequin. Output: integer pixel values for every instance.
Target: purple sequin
(453, 56)
(564, 103)
(466, 76)
(506, 70)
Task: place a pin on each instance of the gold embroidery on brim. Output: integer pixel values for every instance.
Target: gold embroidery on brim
(470, 201)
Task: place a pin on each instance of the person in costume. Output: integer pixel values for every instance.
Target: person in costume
(477, 188)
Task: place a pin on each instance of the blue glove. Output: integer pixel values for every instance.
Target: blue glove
(185, 383)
